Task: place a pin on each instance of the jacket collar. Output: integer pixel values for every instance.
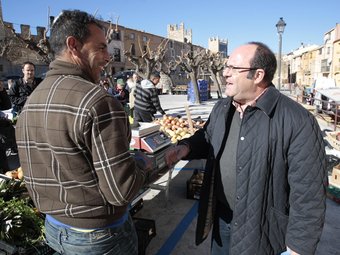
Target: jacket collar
(268, 101)
(58, 67)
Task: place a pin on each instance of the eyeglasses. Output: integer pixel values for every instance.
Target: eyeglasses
(238, 69)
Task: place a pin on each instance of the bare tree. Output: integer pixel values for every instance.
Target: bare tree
(150, 60)
(215, 64)
(191, 62)
(112, 33)
(168, 68)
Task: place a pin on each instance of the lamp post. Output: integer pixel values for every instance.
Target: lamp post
(280, 25)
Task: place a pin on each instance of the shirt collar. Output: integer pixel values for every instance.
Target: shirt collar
(241, 107)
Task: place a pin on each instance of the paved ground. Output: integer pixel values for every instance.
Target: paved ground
(175, 216)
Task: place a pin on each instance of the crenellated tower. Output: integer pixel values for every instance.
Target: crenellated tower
(179, 33)
(216, 44)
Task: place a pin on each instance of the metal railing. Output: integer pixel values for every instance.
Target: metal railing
(327, 110)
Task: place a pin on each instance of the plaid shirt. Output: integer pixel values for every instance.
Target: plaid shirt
(73, 140)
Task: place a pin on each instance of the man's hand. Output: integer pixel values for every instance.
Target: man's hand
(143, 161)
(176, 153)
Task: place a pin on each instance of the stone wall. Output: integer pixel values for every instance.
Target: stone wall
(18, 52)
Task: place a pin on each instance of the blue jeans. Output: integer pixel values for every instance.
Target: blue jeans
(119, 240)
(225, 237)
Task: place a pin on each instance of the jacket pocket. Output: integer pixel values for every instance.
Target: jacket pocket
(277, 229)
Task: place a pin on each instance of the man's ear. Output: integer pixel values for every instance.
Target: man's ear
(72, 44)
(259, 75)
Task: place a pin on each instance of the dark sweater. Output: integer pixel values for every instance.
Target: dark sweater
(19, 92)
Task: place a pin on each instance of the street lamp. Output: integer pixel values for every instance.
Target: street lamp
(280, 25)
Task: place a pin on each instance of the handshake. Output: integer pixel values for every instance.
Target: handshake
(173, 154)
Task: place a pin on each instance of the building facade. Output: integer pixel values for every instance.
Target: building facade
(216, 44)
(179, 33)
(17, 52)
(301, 66)
(309, 62)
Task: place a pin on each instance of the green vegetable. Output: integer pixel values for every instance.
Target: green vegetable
(20, 223)
(14, 120)
(12, 189)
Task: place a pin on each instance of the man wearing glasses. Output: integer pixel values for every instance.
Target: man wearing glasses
(263, 190)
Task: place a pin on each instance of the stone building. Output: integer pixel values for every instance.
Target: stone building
(121, 39)
(179, 33)
(336, 64)
(216, 44)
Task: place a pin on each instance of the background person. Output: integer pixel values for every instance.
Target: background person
(5, 102)
(131, 86)
(146, 100)
(264, 184)
(105, 84)
(73, 140)
(10, 83)
(23, 87)
(7, 135)
(120, 93)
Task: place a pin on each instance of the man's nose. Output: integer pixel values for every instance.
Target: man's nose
(226, 72)
(107, 56)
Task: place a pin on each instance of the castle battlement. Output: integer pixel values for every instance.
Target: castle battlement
(218, 40)
(179, 33)
(25, 31)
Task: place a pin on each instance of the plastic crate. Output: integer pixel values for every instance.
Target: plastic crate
(202, 90)
(333, 193)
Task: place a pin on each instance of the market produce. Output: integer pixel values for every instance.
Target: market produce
(178, 128)
(21, 226)
(15, 174)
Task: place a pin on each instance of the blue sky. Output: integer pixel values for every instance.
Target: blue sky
(238, 21)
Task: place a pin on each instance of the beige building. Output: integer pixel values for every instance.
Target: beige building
(216, 44)
(336, 61)
(179, 33)
(327, 53)
(124, 39)
(310, 62)
(298, 65)
(138, 42)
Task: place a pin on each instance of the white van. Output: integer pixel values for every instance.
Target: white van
(325, 89)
